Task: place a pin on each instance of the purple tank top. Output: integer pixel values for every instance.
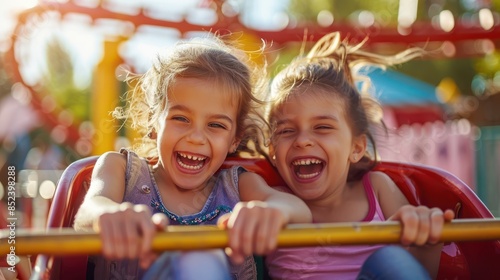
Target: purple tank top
(141, 188)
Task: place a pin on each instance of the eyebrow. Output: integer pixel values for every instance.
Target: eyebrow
(316, 118)
(180, 107)
(327, 117)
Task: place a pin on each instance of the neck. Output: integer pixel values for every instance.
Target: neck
(183, 201)
(327, 208)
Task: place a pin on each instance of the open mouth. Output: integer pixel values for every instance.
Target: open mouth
(190, 161)
(307, 168)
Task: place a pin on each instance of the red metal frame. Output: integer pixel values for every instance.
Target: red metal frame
(421, 184)
(420, 33)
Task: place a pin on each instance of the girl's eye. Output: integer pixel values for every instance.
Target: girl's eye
(283, 131)
(324, 127)
(217, 125)
(180, 118)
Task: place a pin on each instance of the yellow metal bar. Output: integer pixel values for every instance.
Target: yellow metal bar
(105, 97)
(68, 242)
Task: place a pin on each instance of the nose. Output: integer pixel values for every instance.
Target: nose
(196, 136)
(303, 140)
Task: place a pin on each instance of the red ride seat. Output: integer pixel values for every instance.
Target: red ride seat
(421, 185)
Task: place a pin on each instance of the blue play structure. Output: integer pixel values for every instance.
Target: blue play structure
(396, 89)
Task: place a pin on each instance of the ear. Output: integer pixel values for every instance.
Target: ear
(234, 146)
(358, 148)
(152, 134)
(272, 155)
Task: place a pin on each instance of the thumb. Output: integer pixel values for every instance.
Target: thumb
(223, 220)
(96, 227)
(449, 215)
(160, 221)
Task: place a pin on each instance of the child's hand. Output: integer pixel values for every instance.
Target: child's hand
(420, 224)
(128, 232)
(253, 228)
(160, 221)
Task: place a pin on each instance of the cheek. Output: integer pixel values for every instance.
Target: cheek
(222, 142)
(283, 142)
(278, 140)
(280, 154)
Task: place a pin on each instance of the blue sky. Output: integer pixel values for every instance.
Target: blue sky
(85, 42)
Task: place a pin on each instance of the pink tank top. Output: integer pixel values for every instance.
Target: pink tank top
(326, 262)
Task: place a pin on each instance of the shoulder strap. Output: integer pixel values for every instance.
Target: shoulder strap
(133, 167)
(367, 184)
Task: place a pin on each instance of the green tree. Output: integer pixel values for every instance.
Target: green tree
(461, 70)
(59, 81)
(5, 80)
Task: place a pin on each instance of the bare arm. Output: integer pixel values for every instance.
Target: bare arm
(106, 190)
(256, 222)
(421, 226)
(253, 187)
(126, 230)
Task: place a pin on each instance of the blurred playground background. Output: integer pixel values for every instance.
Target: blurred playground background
(62, 68)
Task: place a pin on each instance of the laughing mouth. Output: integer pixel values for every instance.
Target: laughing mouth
(190, 162)
(307, 168)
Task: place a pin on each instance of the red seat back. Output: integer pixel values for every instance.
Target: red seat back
(425, 185)
(421, 184)
(71, 190)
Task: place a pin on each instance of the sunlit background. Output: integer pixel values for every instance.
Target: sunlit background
(62, 69)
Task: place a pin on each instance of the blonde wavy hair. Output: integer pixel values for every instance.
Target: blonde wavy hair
(211, 58)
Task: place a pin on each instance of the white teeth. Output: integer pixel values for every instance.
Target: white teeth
(192, 157)
(307, 176)
(307, 161)
(193, 167)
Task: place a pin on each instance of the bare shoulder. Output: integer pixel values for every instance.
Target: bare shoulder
(381, 182)
(388, 193)
(253, 187)
(108, 176)
(111, 159)
(250, 179)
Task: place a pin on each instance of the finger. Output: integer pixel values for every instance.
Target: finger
(262, 232)
(234, 257)
(270, 225)
(147, 259)
(141, 230)
(437, 221)
(147, 231)
(242, 231)
(237, 258)
(223, 221)
(105, 229)
(116, 238)
(229, 252)
(272, 240)
(234, 242)
(424, 224)
(123, 232)
(129, 240)
(409, 222)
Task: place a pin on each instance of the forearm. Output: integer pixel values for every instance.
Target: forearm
(292, 207)
(253, 188)
(429, 256)
(91, 209)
